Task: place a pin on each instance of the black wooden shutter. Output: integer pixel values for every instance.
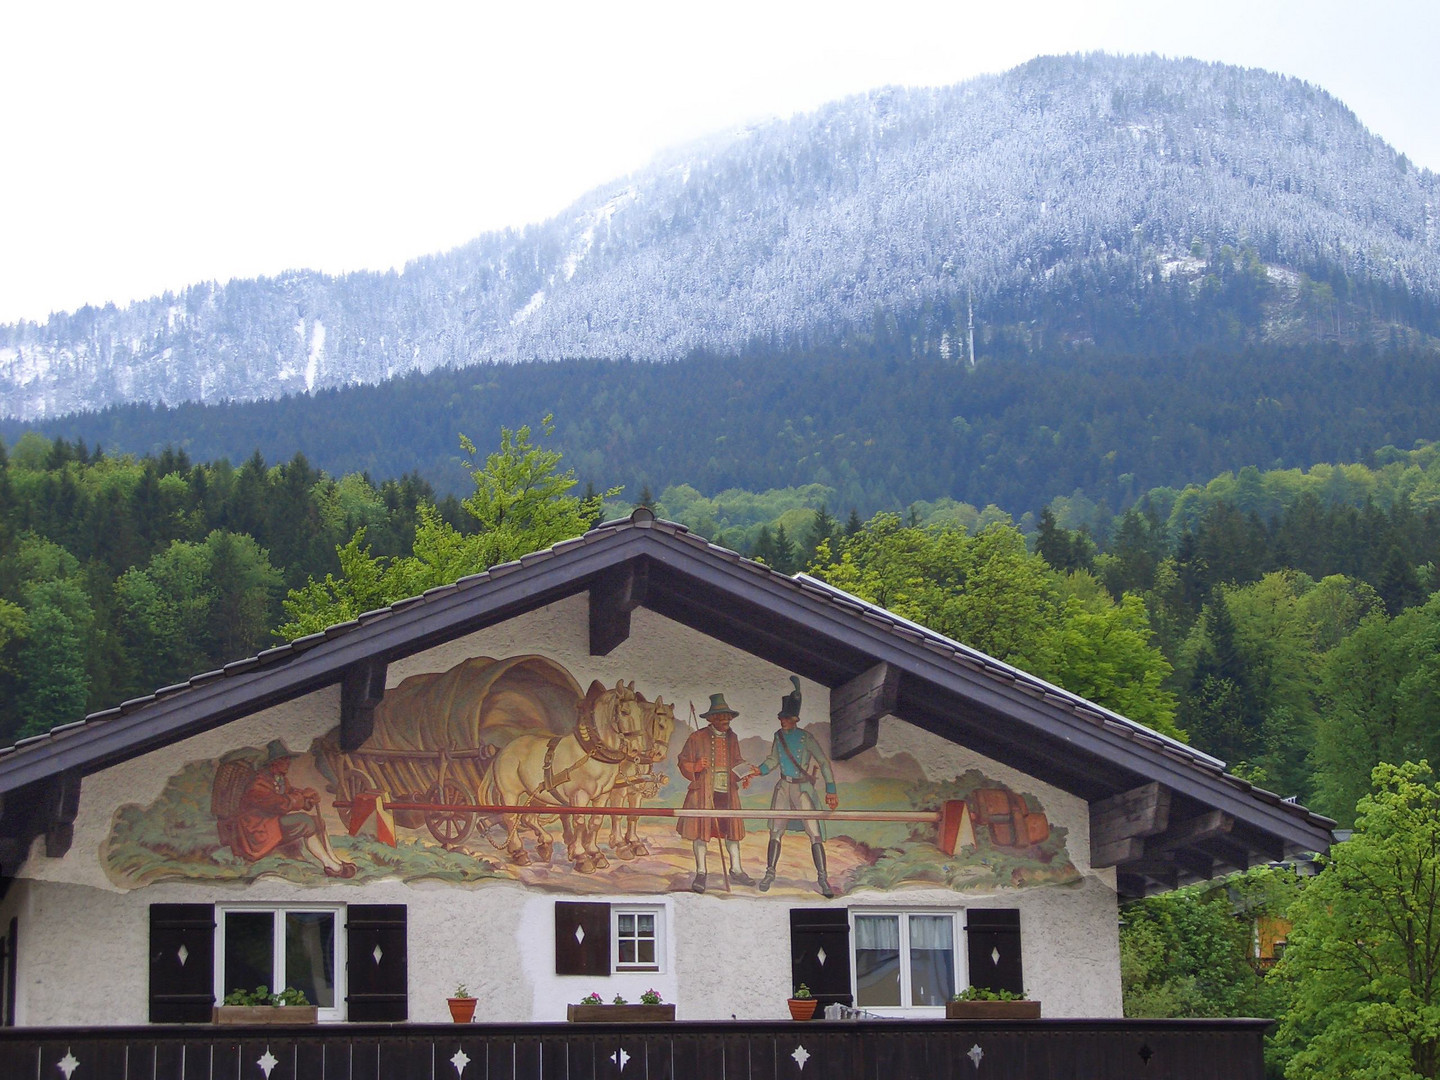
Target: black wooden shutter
(992, 939)
(12, 961)
(182, 963)
(582, 938)
(377, 970)
(820, 954)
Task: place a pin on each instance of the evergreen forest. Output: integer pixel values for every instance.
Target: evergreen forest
(879, 425)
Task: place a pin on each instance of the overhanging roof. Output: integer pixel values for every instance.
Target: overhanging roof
(1161, 812)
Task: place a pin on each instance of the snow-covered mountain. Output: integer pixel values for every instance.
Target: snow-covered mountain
(801, 231)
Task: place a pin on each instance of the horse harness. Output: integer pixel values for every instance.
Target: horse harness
(593, 748)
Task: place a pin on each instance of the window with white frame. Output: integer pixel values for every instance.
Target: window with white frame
(904, 959)
(636, 938)
(279, 946)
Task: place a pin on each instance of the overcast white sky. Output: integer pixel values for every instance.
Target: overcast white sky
(150, 145)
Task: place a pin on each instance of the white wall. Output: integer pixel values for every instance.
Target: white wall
(728, 955)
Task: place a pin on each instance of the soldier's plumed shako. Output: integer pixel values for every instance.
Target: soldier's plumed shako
(790, 703)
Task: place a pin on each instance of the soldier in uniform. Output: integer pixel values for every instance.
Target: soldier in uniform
(797, 756)
(711, 761)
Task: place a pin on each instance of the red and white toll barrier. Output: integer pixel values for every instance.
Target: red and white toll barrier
(951, 820)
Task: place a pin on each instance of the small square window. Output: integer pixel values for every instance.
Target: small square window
(636, 934)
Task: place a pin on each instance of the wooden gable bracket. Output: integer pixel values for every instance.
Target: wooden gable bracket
(856, 709)
(47, 809)
(613, 596)
(1188, 848)
(361, 687)
(1120, 824)
(62, 803)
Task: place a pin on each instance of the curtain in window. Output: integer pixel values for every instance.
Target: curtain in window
(877, 960)
(932, 959)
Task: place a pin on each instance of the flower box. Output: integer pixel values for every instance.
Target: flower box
(992, 1010)
(619, 1014)
(269, 1015)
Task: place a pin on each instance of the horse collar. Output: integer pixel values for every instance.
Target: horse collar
(590, 742)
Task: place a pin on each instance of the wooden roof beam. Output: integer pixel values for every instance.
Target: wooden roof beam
(856, 709)
(1119, 824)
(613, 596)
(362, 685)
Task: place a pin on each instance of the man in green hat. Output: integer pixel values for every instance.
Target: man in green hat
(798, 757)
(711, 761)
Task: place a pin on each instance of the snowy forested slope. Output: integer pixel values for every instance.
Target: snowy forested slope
(1120, 173)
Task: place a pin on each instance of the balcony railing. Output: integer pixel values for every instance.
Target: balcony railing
(734, 1050)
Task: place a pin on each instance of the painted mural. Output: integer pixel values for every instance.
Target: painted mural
(509, 769)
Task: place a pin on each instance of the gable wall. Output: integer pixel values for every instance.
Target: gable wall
(729, 954)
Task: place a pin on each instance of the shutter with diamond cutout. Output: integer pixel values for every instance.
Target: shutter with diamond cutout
(376, 963)
(992, 941)
(820, 954)
(182, 963)
(582, 938)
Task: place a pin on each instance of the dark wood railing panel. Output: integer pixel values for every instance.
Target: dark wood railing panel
(768, 1050)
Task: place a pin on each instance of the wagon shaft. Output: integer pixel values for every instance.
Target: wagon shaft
(943, 818)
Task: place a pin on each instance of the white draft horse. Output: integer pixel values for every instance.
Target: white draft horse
(638, 782)
(579, 769)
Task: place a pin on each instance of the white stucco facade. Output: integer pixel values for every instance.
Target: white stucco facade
(83, 936)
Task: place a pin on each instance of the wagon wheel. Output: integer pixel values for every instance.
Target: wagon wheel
(352, 784)
(450, 827)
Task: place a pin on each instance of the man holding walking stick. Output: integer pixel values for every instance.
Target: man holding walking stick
(711, 761)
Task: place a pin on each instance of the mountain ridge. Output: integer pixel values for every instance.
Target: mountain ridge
(1129, 176)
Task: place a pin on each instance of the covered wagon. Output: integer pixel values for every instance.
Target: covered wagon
(435, 736)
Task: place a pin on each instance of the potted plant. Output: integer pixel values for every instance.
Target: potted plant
(462, 1005)
(593, 1010)
(260, 1006)
(978, 1003)
(802, 1005)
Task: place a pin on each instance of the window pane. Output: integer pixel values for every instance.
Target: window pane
(627, 925)
(249, 950)
(647, 925)
(627, 951)
(932, 959)
(877, 960)
(647, 950)
(310, 955)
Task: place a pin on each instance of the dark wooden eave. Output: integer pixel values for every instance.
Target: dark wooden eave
(875, 664)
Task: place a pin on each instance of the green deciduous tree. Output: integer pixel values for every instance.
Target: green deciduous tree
(1188, 952)
(1364, 952)
(1380, 687)
(521, 503)
(1104, 653)
(989, 592)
